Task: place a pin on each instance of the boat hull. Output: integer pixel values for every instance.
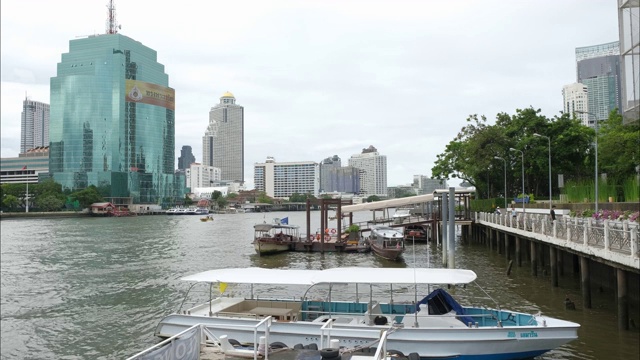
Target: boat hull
(268, 248)
(393, 254)
(506, 343)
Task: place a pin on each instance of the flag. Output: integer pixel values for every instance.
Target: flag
(223, 287)
(24, 167)
(284, 221)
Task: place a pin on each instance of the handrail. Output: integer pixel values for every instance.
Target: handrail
(165, 342)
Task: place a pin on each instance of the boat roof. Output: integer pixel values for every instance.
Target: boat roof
(387, 231)
(267, 227)
(343, 275)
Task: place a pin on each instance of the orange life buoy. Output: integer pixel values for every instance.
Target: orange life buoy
(327, 238)
(333, 231)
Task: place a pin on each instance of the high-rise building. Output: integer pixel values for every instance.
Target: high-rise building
(112, 120)
(629, 28)
(223, 142)
(186, 158)
(372, 168)
(201, 176)
(325, 168)
(34, 126)
(576, 102)
(282, 180)
(425, 185)
(598, 67)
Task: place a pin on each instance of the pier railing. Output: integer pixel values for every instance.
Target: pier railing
(615, 241)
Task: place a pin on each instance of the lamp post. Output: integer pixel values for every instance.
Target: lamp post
(505, 180)
(596, 146)
(523, 193)
(548, 138)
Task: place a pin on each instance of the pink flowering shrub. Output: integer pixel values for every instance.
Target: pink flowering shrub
(616, 215)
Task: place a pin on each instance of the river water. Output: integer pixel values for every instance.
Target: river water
(95, 288)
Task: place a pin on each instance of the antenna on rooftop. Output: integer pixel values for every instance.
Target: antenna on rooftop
(112, 24)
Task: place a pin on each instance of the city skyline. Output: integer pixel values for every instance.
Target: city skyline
(313, 89)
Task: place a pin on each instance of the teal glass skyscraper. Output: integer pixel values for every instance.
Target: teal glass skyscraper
(112, 120)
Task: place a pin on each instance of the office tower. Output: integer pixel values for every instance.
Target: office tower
(285, 179)
(372, 168)
(223, 142)
(112, 120)
(34, 125)
(325, 168)
(426, 185)
(186, 158)
(629, 28)
(598, 67)
(576, 102)
(201, 176)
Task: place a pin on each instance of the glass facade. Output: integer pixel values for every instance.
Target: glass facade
(112, 120)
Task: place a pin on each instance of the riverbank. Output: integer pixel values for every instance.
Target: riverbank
(49, 214)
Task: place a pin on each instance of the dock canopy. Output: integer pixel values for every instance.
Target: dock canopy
(344, 275)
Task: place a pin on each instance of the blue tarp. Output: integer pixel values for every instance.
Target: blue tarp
(441, 303)
(520, 200)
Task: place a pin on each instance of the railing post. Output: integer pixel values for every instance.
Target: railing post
(606, 236)
(586, 229)
(554, 230)
(568, 229)
(633, 241)
(543, 227)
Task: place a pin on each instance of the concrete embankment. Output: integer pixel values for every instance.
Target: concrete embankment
(52, 214)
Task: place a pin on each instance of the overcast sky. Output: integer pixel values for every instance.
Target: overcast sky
(323, 78)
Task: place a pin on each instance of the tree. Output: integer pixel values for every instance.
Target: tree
(264, 199)
(232, 195)
(296, 197)
(188, 201)
(618, 149)
(87, 196)
(373, 198)
(50, 202)
(222, 202)
(10, 202)
(216, 194)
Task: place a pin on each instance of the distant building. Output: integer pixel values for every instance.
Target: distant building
(576, 102)
(401, 191)
(424, 185)
(34, 125)
(28, 167)
(372, 168)
(598, 67)
(628, 25)
(201, 176)
(223, 142)
(280, 180)
(112, 120)
(336, 178)
(186, 158)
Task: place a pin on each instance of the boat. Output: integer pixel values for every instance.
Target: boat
(191, 211)
(416, 232)
(171, 211)
(401, 215)
(202, 211)
(386, 242)
(354, 305)
(206, 218)
(275, 237)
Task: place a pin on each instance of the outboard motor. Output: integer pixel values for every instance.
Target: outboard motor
(380, 320)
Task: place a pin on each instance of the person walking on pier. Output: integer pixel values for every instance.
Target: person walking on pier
(553, 213)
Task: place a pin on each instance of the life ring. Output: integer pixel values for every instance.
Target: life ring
(311, 237)
(327, 237)
(333, 231)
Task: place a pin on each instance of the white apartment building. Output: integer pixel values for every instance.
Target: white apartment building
(200, 176)
(34, 125)
(373, 171)
(281, 180)
(576, 101)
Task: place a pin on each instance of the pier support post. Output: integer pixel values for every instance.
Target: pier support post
(518, 251)
(623, 301)
(553, 262)
(559, 256)
(499, 242)
(534, 258)
(584, 282)
(506, 246)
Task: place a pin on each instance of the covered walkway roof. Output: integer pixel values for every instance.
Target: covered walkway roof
(394, 203)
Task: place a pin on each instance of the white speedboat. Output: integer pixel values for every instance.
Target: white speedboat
(171, 211)
(436, 327)
(401, 215)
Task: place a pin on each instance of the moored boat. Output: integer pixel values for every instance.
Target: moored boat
(436, 327)
(275, 238)
(386, 242)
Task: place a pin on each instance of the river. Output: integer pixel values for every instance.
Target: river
(95, 288)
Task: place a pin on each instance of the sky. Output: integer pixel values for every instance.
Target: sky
(323, 78)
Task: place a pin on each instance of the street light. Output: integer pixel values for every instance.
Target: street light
(548, 138)
(596, 146)
(523, 193)
(505, 180)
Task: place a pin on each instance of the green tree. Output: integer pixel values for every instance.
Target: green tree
(296, 197)
(232, 195)
(50, 202)
(222, 202)
(187, 201)
(215, 195)
(264, 199)
(618, 149)
(373, 198)
(10, 202)
(87, 196)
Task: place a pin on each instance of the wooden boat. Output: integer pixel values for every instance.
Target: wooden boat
(416, 232)
(355, 305)
(274, 238)
(386, 242)
(206, 218)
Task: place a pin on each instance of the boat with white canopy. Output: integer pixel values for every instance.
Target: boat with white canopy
(348, 302)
